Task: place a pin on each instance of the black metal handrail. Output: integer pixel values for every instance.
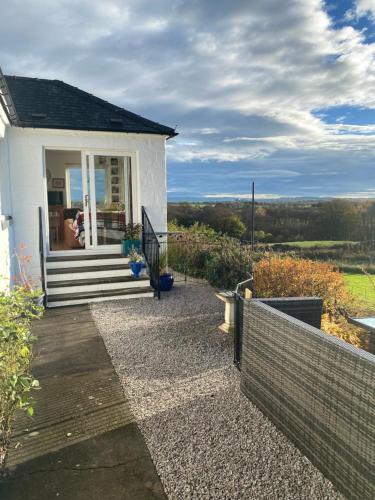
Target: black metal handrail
(151, 251)
(41, 255)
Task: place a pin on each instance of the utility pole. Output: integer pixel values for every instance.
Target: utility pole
(253, 216)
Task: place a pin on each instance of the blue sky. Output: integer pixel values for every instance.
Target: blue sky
(281, 93)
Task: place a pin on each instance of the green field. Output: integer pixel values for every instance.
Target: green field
(361, 287)
(318, 243)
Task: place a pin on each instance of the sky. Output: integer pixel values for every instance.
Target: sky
(277, 92)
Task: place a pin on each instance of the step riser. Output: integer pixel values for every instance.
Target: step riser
(87, 263)
(88, 275)
(99, 299)
(101, 287)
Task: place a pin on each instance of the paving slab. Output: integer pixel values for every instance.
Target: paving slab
(83, 442)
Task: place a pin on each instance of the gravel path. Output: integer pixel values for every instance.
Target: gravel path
(206, 439)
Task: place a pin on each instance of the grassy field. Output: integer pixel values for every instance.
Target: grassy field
(317, 243)
(360, 286)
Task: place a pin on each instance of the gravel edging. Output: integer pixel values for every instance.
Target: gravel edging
(205, 438)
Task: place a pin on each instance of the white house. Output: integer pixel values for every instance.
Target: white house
(90, 166)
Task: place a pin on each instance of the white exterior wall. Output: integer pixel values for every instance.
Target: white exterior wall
(5, 206)
(28, 182)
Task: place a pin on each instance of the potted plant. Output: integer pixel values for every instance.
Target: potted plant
(166, 279)
(132, 238)
(136, 263)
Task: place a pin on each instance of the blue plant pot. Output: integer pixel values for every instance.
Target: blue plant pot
(136, 268)
(166, 282)
(129, 245)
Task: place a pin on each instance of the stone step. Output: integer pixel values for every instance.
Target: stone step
(87, 273)
(87, 297)
(82, 264)
(95, 286)
(80, 256)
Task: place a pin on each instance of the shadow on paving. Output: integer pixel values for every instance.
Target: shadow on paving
(83, 442)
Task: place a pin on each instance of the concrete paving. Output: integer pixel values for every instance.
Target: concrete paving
(82, 442)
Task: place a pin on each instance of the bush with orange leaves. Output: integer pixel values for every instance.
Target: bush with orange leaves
(286, 276)
(277, 276)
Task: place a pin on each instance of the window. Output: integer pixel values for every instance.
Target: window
(74, 192)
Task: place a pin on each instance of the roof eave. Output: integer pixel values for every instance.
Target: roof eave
(4, 108)
(7, 101)
(94, 129)
(173, 134)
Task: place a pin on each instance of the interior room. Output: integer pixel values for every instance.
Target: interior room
(65, 199)
(108, 211)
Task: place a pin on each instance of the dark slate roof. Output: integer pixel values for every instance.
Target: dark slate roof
(41, 103)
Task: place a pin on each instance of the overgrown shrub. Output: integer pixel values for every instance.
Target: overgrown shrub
(278, 276)
(229, 265)
(200, 252)
(17, 309)
(340, 327)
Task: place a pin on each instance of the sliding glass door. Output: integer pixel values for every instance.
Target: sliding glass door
(107, 197)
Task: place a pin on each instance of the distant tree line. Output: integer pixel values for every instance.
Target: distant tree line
(279, 222)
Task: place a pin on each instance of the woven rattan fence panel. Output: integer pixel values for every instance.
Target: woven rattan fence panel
(307, 309)
(318, 390)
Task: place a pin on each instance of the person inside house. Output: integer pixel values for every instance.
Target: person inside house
(79, 228)
(74, 232)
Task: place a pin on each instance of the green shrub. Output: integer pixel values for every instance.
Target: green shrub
(186, 256)
(229, 265)
(17, 309)
(200, 252)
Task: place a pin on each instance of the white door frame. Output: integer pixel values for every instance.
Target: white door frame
(136, 207)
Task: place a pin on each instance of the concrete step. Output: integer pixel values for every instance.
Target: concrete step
(91, 281)
(96, 286)
(88, 297)
(80, 279)
(86, 257)
(65, 274)
(85, 263)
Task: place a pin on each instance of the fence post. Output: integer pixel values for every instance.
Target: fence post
(238, 325)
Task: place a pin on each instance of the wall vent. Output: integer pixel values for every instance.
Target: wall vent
(116, 120)
(39, 115)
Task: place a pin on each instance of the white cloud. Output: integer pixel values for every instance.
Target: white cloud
(205, 130)
(370, 193)
(365, 7)
(242, 196)
(273, 196)
(241, 78)
(268, 173)
(178, 190)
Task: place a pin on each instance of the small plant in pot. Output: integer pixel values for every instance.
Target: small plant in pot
(136, 263)
(132, 238)
(166, 279)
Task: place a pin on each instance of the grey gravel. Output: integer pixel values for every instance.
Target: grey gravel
(205, 438)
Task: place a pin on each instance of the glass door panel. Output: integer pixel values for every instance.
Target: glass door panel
(74, 193)
(109, 198)
(88, 196)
